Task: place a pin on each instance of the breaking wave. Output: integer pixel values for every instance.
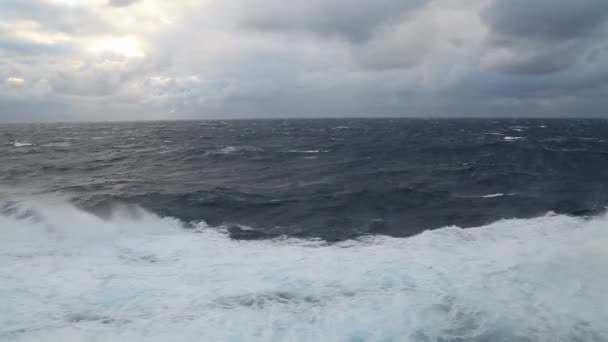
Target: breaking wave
(22, 144)
(236, 149)
(513, 138)
(308, 151)
(496, 195)
(68, 275)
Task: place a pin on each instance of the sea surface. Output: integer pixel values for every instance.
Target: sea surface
(305, 230)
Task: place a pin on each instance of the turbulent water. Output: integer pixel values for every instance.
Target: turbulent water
(312, 230)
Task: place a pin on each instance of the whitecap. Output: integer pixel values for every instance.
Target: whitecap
(307, 151)
(68, 275)
(165, 149)
(575, 150)
(519, 128)
(57, 144)
(493, 195)
(513, 138)
(226, 150)
(22, 144)
(234, 149)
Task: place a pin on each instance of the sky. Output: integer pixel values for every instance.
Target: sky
(90, 60)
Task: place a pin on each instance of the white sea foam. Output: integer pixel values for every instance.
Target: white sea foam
(66, 275)
(57, 144)
(513, 138)
(493, 195)
(22, 144)
(519, 128)
(233, 149)
(308, 151)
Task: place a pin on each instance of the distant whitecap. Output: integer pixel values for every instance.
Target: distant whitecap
(22, 144)
(513, 138)
(493, 195)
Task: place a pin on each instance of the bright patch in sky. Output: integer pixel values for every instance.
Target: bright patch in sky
(125, 46)
(15, 81)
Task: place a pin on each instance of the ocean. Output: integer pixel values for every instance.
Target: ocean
(305, 230)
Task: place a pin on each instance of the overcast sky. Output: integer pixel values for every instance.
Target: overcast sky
(179, 59)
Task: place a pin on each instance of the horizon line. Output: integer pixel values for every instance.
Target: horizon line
(270, 118)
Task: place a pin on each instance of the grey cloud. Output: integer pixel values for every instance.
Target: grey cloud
(317, 58)
(12, 110)
(354, 20)
(93, 79)
(402, 46)
(579, 90)
(404, 66)
(54, 16)
(122, 3)
(521, 57)
(87, 85)
(542, 36)
(13, 46)
(545, 19)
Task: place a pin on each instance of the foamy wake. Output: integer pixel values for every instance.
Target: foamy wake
(66, 275)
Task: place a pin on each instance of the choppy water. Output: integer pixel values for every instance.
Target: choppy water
(305, 231)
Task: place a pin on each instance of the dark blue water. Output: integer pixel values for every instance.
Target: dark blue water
(305, 230)
(331, 179)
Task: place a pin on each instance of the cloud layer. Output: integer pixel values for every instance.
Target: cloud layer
(154, 59)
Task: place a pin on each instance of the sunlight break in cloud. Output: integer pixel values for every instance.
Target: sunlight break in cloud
(125, 46)
(17, 81)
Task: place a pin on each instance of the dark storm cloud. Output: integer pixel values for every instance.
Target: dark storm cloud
(543, 36)
(545, 19)
(354, 20)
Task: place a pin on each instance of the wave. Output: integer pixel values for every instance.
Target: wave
(22, 144)
(57, 144)
(493, 195)
(72, 276)
(307, 151)
(513, 138)
(236, 149)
